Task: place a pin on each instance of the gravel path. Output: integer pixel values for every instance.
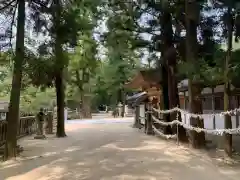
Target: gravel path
(110, 151)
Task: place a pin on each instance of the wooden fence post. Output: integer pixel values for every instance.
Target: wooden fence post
(149, 129)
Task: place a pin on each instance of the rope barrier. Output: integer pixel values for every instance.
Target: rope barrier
(168, 136)
(197, 129)
(201, 116)
(162, 122)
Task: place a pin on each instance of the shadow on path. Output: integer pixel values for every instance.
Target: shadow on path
(109, 152)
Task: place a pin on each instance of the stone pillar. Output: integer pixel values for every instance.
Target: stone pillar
(136, 119)
(40, 121)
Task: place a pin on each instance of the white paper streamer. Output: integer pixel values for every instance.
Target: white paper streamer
(201, 116)
(197, 129)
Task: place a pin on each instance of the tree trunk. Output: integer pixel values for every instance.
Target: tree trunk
(175, 102)
(167, 130)
(194, 88)
(170, 60)
(197, 140)
(13, 114)
(59, 85)
(164, 68)
(85, 100)
(59, 74)
(227, 118)
(182, 135)
(86, 107)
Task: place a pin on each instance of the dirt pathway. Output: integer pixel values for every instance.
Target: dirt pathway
(109, 152)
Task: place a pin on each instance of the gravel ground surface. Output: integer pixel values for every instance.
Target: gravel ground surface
(110, 151)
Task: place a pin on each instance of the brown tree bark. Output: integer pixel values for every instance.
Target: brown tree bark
(59, 72)
(60, 104)
(163, 68)
(165, 99)
(197, 140)
(194, 88)
(84, 98)
(13, 114)
(227, 118)
(86, 107)
(171, 62)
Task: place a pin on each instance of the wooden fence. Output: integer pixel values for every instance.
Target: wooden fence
(26, 126)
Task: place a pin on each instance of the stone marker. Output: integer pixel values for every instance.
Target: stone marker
(49, 126)
(40, 121)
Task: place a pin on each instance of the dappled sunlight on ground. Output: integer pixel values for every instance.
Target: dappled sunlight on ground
(109, 152)
(42, 173)
(132, 177)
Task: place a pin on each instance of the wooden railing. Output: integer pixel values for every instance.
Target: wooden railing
(26, 126)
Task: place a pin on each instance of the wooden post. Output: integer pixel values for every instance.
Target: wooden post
(149, 129)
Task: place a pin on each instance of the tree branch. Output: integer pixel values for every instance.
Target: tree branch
(11, 35)
(7, 5)
(42, 5)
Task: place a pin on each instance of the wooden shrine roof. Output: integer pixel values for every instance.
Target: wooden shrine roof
(145, 79)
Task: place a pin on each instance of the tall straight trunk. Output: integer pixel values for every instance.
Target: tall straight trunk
(119, 96)
(167, 38)
(84, 98)
(175, 102)
(194, 88)
(165, 99)
(164, 76)
(13, 114)
(182, 134)
(86, 107)
(171, 62)
(227, 118)
(59, 86)
(59, 74)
